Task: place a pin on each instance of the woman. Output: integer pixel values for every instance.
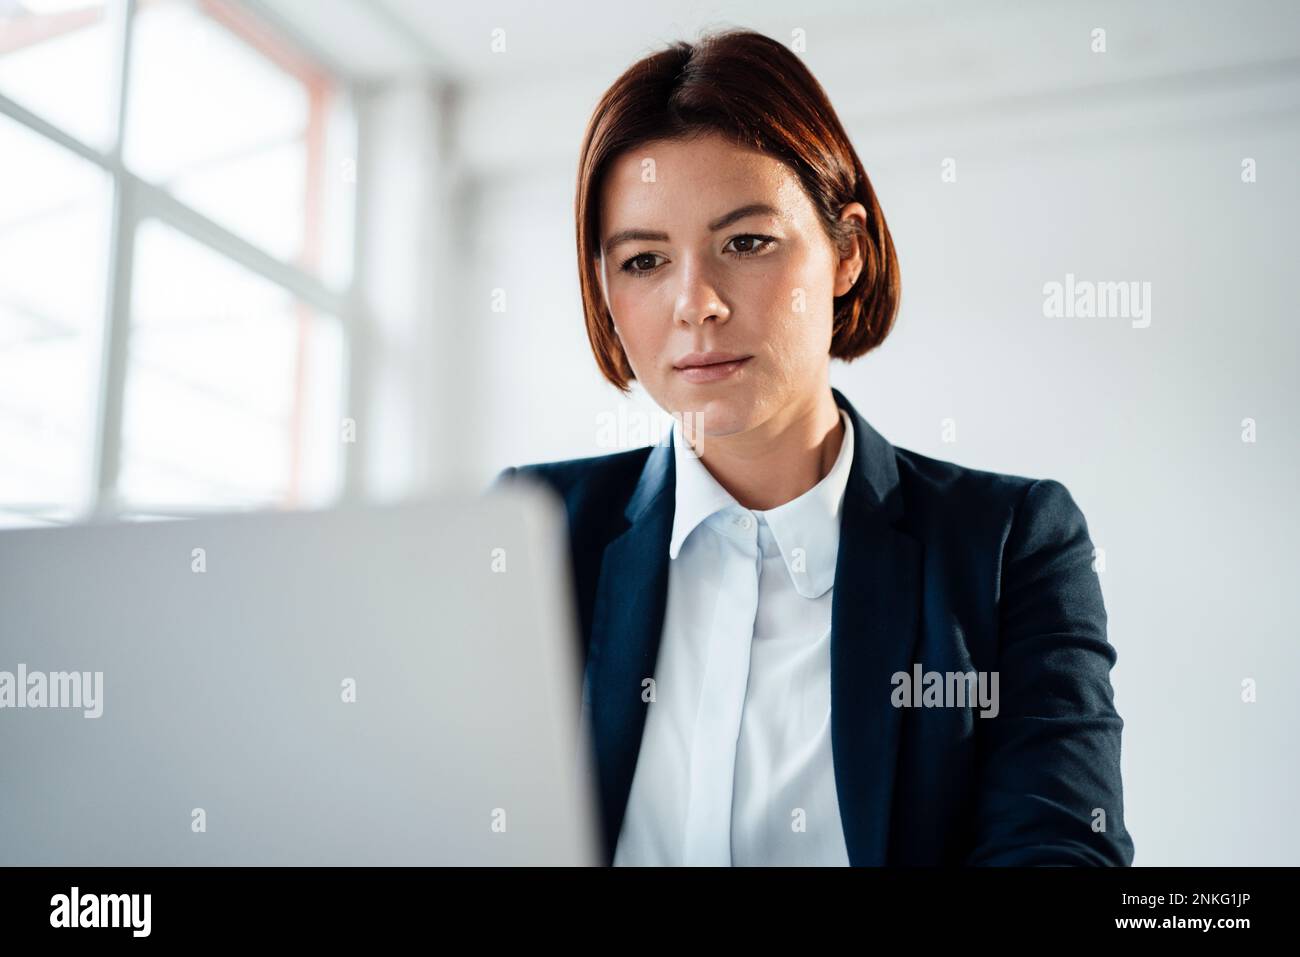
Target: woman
(804, 645)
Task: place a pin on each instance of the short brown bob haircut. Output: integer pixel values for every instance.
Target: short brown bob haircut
(754, 90)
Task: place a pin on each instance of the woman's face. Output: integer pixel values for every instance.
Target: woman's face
(708, 247)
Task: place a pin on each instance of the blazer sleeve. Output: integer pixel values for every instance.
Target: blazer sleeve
(1048, 784)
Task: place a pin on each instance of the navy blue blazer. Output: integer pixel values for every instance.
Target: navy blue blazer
(950, 568)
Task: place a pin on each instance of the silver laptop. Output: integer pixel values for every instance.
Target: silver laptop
(392, 685)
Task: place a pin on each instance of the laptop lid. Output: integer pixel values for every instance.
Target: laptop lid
(382, 685)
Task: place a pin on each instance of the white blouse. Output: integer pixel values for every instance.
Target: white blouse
(735, 760)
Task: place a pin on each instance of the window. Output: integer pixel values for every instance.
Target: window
(175, 239)
(223, 369)
(56, 59)
(54, 228)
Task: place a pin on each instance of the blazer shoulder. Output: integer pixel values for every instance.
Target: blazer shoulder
(580, 478)
(940, 477)
(1010, 533)
(949, 496)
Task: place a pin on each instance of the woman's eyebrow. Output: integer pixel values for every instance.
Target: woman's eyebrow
(649, 235)
(750, 209)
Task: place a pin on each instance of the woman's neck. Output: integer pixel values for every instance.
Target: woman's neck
(780, 459)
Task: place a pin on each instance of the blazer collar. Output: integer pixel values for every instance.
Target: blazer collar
(874, 625)
(873, 470)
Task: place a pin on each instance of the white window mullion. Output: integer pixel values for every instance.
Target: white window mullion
(111, 388)
(113, 349)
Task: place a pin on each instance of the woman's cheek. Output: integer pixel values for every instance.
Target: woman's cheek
(640, 344)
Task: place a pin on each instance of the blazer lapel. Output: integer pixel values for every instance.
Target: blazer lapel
(874, 629)
(627, 621)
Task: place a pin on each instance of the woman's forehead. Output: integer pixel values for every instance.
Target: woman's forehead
(684, 186)
(702, 157)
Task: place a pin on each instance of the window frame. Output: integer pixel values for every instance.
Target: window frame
(135, 200)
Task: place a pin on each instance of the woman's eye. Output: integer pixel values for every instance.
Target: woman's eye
(750, 244)
(640, 264)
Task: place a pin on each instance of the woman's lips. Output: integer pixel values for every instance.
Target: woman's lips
(712, 373)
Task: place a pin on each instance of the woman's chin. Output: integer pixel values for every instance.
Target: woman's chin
(715, 416)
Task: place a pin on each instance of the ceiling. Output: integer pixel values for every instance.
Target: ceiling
(882, 50)
(897, 67)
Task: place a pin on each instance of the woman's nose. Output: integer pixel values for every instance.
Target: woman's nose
(698, 298)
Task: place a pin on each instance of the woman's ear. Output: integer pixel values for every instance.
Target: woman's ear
(851, 260)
